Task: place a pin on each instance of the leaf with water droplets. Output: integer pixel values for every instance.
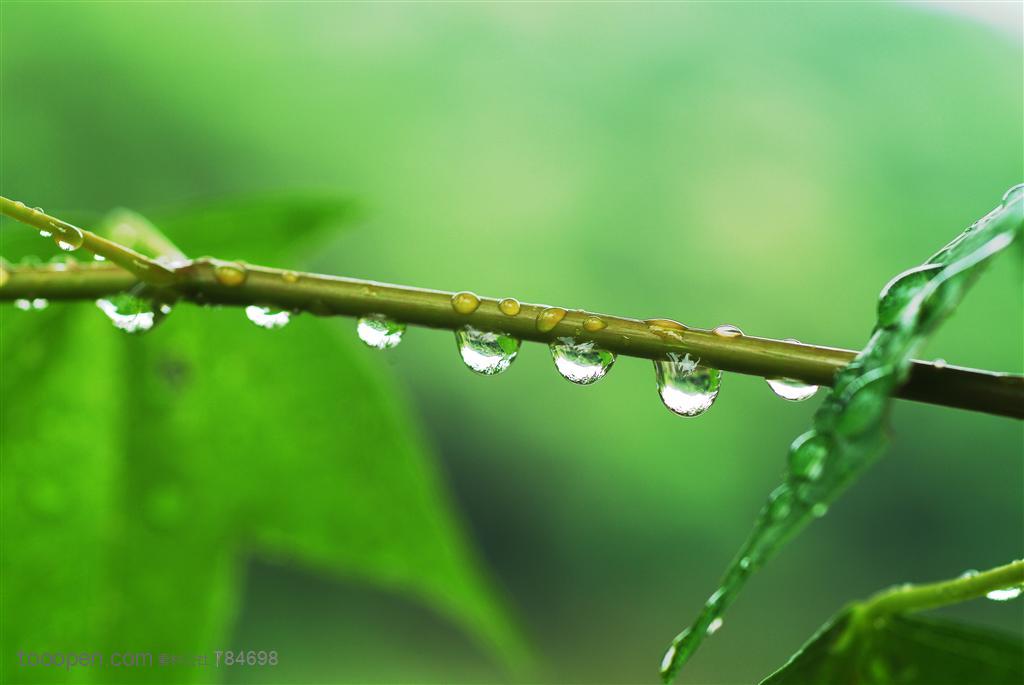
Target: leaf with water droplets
(848, 435)
(908, 650)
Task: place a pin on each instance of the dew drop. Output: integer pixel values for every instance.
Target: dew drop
(969, 573)
(780, 503)
(1004, 594)
(99, 258)
(666, 329)
(819, 510)
(549, 318)
(509, 306)
(36, 304)
(686, 387)
(267, 317)
(791, 390)
(939, 363)
(486, 352)
(68, 238)
(229, 274)
(715, 624)
(46, 234)
(900, 291)
(666, 661)
(379, 332)
(289, 277)
(807, 456)
(581, 362)
(131, 313)
(594, 324)
(727, 331)
(465, 302)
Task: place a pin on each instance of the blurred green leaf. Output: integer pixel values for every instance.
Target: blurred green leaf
(910, 650)
(140, 472)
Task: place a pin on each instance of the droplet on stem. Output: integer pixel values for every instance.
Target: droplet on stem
(582, 363)
(686, 387)
(379, 332)
(509, 306)
(267, 317)
(230, 274)
(465, 302)
(727, 331)
(486, 352)
(549, 318)
(594, 324)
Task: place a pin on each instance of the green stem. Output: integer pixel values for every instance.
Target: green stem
(207, 281)
(907, 598)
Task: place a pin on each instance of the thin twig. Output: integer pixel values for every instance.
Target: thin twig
(215, 282)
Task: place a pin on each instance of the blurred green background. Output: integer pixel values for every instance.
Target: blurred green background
(766, 165)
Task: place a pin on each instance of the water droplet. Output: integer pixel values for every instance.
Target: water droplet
(549, 318)
(594, 323)
(900, 291)
(379, 332)
(581, 362)
(68, 238)
(266, 317)
(289, 277)
(686, 387)
(465, 302)
(670, 655)
(667, 329)
(486, 352)
(40, 210)
(819, 510)
(37, 304)
(715, 624)
(230, 274)
(1004, 594)
(46, 234)
(727, 331)
(865, 402)
(99, 258)
(509, 306)
(131, 313)
(969, 573)
(780, 503)
(939, 363)
(745, 563)
(790, 389)
(807, 456)
(1013, 194)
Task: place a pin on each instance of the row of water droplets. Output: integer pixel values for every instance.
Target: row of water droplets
(686, 387)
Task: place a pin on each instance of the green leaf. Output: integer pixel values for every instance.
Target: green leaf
(910, 650)
(141, 471)
(849, 427)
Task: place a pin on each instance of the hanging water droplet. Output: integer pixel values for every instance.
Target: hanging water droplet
(509, 306)
(580, 362)
(131, 313)
(900, 291)
(229, 274)
(379, 332)
(68, 238)
(792, 390)
(715, 624)
(807, 456)
(727, 331)
(594, 323)
(686, 387)
(486, 352)
(465, 302)
(1004, 594)
(266, 317)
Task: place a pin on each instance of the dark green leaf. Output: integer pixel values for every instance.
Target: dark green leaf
(908, 650)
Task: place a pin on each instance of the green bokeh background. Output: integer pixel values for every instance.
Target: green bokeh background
(766, 165)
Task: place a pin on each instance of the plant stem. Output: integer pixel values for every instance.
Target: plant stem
(202, 281)
(907, 598)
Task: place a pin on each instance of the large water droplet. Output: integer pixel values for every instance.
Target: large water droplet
(686, 387)
(465, 302)
(486, 352)
(131, 313)
(379, 332)
(581, 362)
(1004, 594)
(266, 317)
(900, 291)
(68, 238)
